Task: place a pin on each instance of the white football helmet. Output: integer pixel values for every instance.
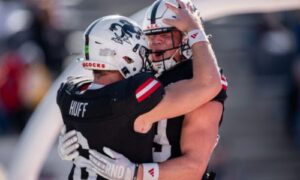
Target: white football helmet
(153, 24)
(115, 43)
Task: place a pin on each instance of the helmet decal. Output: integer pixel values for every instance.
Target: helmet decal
(86, 46)
(153, 13)
(125, 30)
(107, 52)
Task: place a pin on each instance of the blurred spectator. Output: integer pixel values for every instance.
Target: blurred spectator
(277, 46)
(278, 60)
(13, 68)
(24, 81)
(46, 34)
(31, 55)
(36, 79)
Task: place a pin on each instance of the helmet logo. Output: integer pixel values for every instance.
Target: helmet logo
(125, 30)
(107, 52)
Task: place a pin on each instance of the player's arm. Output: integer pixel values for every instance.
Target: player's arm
(186, 95)
(198, 139)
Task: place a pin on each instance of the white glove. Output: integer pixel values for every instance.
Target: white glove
(82, 162)
(68, 145)
(114, 166)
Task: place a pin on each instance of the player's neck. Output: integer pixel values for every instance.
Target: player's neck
(107, 79)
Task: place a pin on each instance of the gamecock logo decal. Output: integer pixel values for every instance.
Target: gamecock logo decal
(124, 31)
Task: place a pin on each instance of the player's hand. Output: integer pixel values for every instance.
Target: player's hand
(68, 145)
(82, 162)
(141, 126)
(186, 20)
(112, 165)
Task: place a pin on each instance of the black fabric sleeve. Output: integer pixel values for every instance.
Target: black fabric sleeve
(222, 96)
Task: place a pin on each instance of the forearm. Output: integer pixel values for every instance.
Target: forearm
(182, 168)
(198, 140)
(205, 67)
(178, 168)
(191, 165)
(206, 81)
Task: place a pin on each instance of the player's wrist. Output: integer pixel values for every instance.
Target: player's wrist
(197, 35)
(150, 171)
(135, 173)
(139, 175)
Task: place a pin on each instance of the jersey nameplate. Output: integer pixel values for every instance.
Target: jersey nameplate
(77, 109)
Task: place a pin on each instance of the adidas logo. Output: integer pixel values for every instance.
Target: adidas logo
(151, 172)
(194, 35)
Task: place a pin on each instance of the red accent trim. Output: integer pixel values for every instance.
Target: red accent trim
(149, 92)
(141, 87)
(224, 87)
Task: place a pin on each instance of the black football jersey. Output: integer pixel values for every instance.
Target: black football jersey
(167, 139)
(105, 116)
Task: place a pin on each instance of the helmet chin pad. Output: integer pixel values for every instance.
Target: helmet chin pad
(165, 63)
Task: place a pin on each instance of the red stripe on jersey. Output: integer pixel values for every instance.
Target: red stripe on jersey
(141, 87)
(146, 89)
(224, 87)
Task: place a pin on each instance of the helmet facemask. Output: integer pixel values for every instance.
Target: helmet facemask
(164, 60)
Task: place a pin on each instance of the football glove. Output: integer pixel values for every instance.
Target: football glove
(68, 145)
(112, 165)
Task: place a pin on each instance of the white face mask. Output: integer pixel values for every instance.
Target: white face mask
(166, 64)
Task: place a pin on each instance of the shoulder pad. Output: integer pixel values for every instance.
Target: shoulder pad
(73, 83)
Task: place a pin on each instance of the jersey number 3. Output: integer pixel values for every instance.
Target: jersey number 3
(162, 140)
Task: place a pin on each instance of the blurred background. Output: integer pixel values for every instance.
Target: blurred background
(259, 52)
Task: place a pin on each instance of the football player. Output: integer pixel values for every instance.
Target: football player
(80, 105)
(186, 145)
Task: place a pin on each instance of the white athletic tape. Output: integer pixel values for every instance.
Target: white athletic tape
(150, 171)
(196, 35)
